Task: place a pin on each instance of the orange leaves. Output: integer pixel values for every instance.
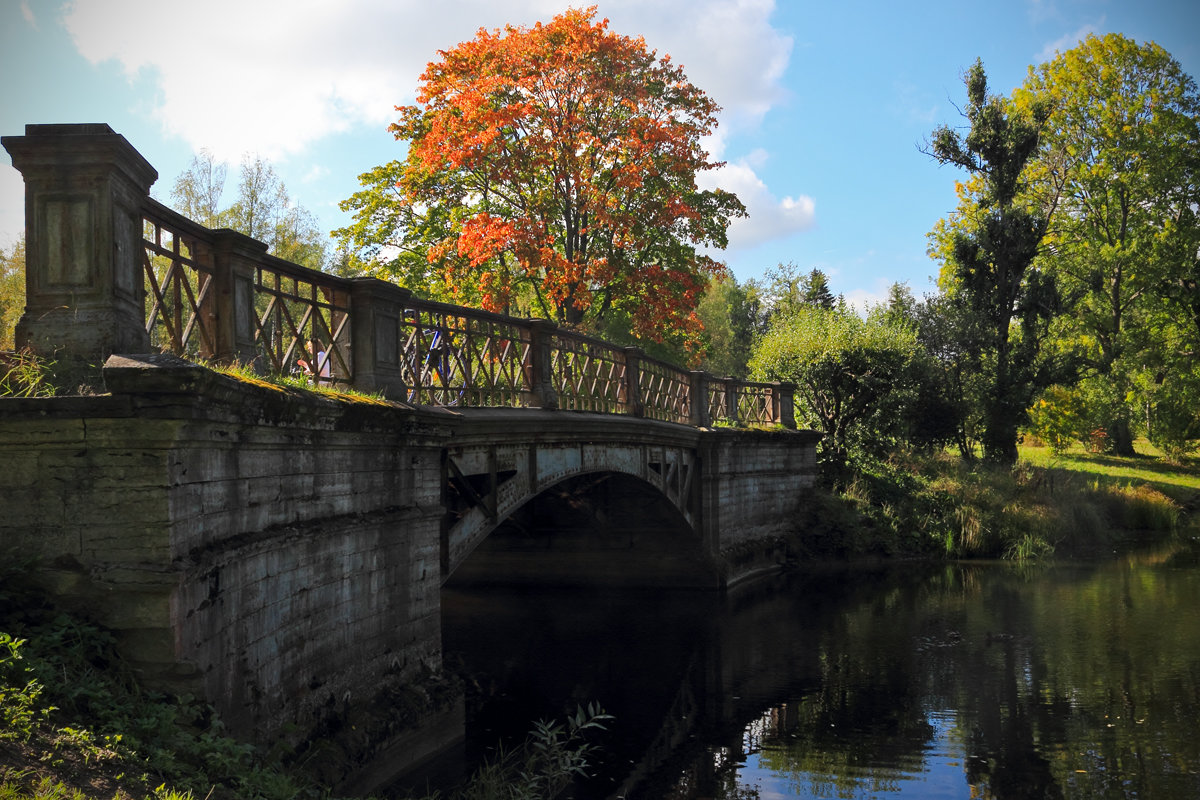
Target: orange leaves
(483, 237)
(562, 158)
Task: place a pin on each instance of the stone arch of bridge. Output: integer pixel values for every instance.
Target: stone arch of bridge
(489, 488)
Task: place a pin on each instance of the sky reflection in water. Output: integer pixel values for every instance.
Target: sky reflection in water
(912, 681)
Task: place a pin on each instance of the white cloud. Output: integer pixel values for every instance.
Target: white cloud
(27, 14)
(727, 47)
(272, 77)
(1069, 40)
(770, 217)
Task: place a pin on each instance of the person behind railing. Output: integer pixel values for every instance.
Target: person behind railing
(322, 372)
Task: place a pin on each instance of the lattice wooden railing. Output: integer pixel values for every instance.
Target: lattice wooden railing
(757, 403)
(666, 391)
(588, 374)
(718, 400)
(178, 284)
(454, 356)
(301, 316)
(201, 284)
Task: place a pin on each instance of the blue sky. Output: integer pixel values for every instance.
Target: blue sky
(825, 103)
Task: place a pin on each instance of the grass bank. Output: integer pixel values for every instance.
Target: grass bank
(1071, 505)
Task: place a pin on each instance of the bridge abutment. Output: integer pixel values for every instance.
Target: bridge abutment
(274, 552)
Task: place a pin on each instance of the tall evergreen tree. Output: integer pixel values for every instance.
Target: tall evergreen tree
(989, 247)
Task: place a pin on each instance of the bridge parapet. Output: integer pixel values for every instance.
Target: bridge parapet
(111, 270)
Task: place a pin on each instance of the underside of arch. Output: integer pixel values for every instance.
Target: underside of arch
(484, 484)
(599, 528)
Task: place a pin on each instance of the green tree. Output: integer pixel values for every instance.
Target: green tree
(1112, 153)
(901, 306)
(954, 382)
(262, 208)
(941, 410)
(198, 189)
(732, 316)
(853, 377)
(12, 291)
(261, 199)
(785, 289)
(988, 247)
(816, 290)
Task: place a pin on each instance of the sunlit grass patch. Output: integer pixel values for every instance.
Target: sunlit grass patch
(1179, 481)
(279, 383)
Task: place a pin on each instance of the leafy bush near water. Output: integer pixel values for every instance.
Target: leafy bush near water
(917, 505)
(72, 707)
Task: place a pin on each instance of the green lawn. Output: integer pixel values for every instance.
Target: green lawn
(1180, 482)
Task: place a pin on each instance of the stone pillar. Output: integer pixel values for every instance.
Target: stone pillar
(377, 336)
(786, 413)
(84, 282)
(230, 303)
(731, 400)
(699, 399)
(538, 372)
(633, 382)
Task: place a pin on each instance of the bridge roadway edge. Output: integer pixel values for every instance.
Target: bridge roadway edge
(241, 539)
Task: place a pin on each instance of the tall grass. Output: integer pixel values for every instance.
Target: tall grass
(939, 505)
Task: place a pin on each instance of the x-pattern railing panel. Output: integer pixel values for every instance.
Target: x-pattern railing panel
(298, 316)
(588, 374)
(718, 400)
(178, 280)
(756, 403)
(666, 391)
(454, 357)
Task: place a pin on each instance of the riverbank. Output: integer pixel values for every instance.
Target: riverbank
(937, 506)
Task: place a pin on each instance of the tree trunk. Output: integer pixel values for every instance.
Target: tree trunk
(1120, 437)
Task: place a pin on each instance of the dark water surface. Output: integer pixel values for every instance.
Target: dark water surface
(918, 681)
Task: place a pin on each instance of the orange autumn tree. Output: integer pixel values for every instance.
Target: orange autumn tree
(552, 170)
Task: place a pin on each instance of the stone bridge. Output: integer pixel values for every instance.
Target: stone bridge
(279, 550)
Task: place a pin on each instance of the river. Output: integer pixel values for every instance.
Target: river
(959, 680)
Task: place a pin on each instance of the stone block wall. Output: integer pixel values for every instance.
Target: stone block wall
(753, 484)
(272, 551)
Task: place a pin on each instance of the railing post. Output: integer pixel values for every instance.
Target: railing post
(698, 399)
(731, 400)
(229, 306)
(84, 279)
(633, 382)
(785, 404)
(377, 336)
(539, 371)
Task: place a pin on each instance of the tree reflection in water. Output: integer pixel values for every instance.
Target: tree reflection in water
(956, 681)
(988, 681)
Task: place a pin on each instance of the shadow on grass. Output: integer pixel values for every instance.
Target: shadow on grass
(1179, 481)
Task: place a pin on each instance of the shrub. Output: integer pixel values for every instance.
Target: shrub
(1144, 508)
(1059, 418)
